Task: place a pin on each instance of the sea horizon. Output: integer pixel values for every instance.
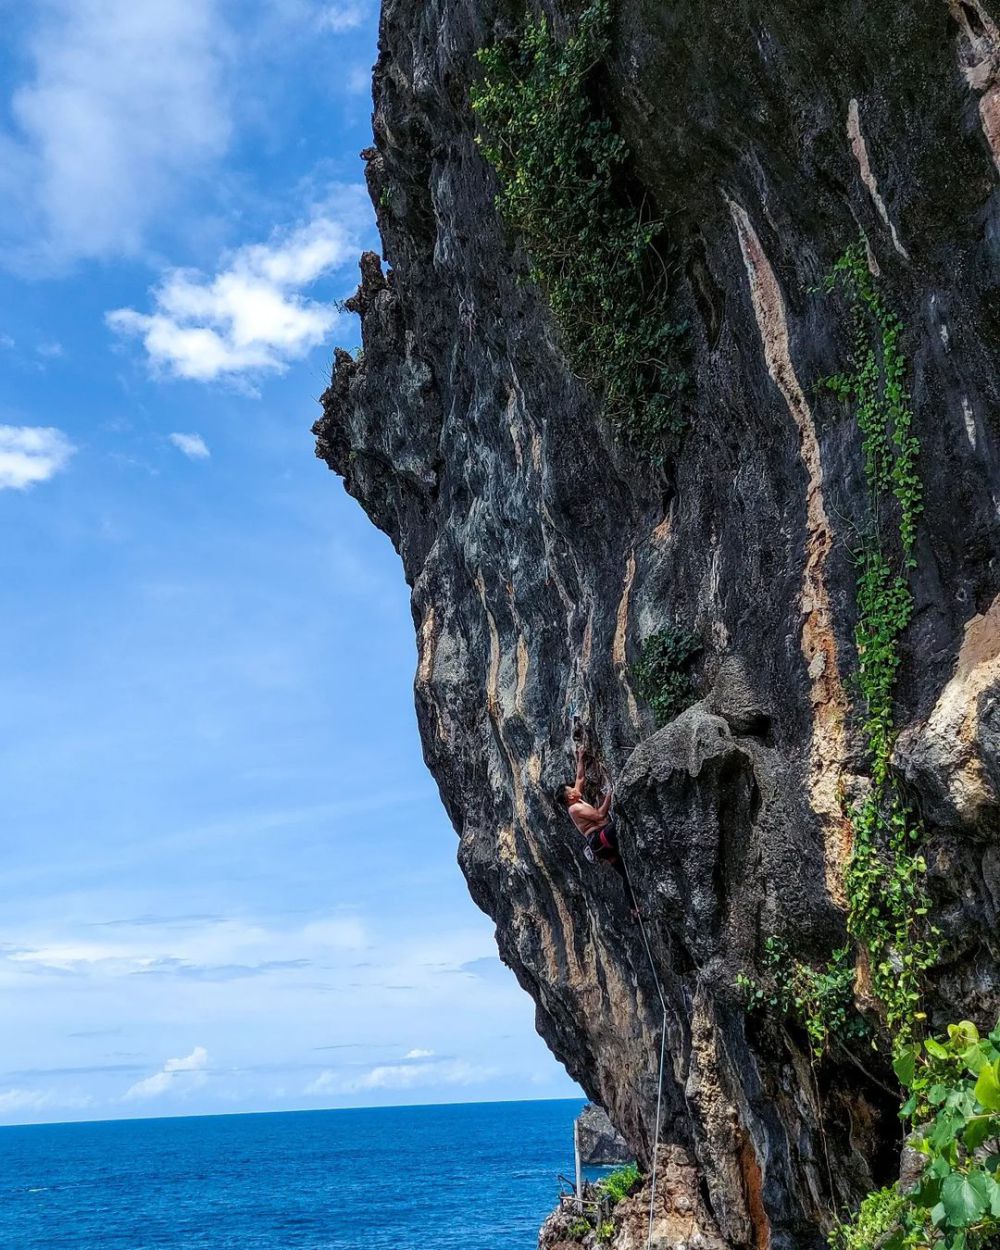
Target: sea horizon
(581, 1100)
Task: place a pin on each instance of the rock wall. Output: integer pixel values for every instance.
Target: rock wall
(541, 555)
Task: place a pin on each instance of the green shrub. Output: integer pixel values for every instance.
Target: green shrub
(953, 1115)
(878, 1216)
(620, 1183)
(820, 999)
(593, 253)
(606, 1231)
(579, 1229)
(662, 674)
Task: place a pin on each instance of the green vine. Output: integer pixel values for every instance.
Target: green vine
(886, 890)
(821, 999)
(564, 189)
(887, 903)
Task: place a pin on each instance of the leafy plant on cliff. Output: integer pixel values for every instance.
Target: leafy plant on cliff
(662, 673)
(887, 900)
(620, 1183)
(953, 1119)
(592, 251)
(821, 999)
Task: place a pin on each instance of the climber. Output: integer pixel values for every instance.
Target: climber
(595, 823)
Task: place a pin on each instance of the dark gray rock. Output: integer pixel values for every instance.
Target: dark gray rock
(540, 555)
(600, 1142)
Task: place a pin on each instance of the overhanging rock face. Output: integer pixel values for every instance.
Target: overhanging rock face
(541, 555)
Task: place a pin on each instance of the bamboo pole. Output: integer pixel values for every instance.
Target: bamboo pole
(579, 1168)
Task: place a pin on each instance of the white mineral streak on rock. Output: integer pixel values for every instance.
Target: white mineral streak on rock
(619, 655)
(522, 674)
(979, 57)
(498, 712)
(860, 149)
(587, 648)
(828, 748)
(947, 748)
(426, 646)
(710, 598)
(549, 531)
(970, 421)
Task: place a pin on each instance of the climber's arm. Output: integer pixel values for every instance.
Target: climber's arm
(605, 804)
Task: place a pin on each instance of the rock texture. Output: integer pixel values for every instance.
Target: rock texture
(540, 556)
(599, 1140)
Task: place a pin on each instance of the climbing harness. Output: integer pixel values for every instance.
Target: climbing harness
(663, 1049)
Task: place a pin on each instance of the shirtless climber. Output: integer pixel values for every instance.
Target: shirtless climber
(594, 823)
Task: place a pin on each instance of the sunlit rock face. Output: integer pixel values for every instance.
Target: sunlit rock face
(541, 555)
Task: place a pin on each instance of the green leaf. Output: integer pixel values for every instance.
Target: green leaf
(963, 1035)
(988, 1086)
(945, 1128)
(993, 1190)
(977, 1133)
(935, 1049)
(964, 1198)
(904, 1066)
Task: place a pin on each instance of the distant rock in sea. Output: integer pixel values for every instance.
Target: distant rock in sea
(600, 1141)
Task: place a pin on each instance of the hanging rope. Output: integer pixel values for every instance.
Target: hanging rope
(663, 1050)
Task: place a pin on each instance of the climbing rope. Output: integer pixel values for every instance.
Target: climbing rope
(663, 1006)
(663, 1050)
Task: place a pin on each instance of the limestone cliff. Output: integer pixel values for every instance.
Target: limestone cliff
(541, 554)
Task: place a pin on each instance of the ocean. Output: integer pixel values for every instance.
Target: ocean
(477, 1176)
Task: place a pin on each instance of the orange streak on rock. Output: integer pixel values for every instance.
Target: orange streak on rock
(829, 747)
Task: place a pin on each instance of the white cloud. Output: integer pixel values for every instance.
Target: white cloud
(410, 1075)
(50, 351)
(31, 454)
(343, 16)
(192, 445)
(6, 342)
(250, 317)
(404, 1075)
(418, 1054)
(208, 947)
(22, 1099)
(125, 103)
(36, 1099)
(177, 1076)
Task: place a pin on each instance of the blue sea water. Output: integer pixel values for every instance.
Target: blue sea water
(477, 1176)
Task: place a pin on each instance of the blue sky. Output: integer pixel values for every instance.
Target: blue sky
(228, 882)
